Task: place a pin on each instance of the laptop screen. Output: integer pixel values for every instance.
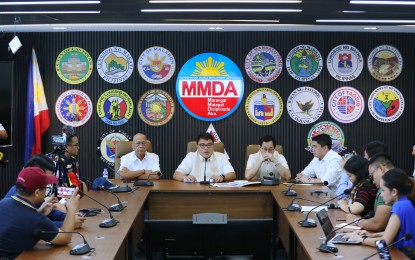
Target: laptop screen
(326, 224)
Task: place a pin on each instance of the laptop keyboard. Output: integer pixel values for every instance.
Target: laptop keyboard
(340, 238)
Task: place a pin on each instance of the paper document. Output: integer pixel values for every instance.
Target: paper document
(298, 184)
(308, 208)
(236, 184)
(350, 226)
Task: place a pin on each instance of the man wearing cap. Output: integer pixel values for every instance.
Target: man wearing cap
(22, 223)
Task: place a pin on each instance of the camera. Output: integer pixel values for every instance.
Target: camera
(59, 142)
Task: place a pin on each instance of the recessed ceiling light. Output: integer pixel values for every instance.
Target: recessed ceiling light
(50, 2)
(218, 10)
(364, 21)
(383, 2)
(59, 28)
(370, 28)
(50, 12)
(353, 12)
(223, 1)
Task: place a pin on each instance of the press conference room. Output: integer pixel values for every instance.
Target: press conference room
(171, 70)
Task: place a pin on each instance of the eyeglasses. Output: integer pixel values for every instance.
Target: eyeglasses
(372, 172)
(270, 150)
(203, 146)
(140, 143)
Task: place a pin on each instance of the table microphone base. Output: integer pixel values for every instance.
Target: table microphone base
(110, 222)
(80, 249)
(116, 207)
(270, 182)
(327, 249)
(308, 223)
(294, 207)
(121, 189)
(143, 183)
(204, 182)
(290, 193)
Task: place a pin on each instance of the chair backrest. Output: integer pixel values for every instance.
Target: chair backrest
(218, 147)
(121, 149)
(254, 148)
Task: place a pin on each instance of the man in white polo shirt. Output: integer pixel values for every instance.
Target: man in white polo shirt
(139, 163)
(192, 168)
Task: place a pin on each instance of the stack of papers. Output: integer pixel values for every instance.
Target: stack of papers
(234, 184)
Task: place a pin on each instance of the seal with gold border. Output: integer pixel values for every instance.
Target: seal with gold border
(264, 106)
(155, 107)
(74, 65)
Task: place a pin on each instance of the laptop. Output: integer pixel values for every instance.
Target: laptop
(332, 237)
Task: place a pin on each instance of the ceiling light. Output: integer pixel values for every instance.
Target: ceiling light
(224, 1)
(217, 10)
(50, 2)
(50, 12)
(364, 21)
(206, 20)
(59, 28)
(370, 28)
(353, 12)
(383, 2)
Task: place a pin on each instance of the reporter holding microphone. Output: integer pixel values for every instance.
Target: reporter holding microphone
(397, 189)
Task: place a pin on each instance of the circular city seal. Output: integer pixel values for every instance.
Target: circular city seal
(115, 107)
(333, 130)
(305, 105)
(304, 63)
(210, 87)
(106, 145)
(263, 64)
(264, 106)
(73, 107)
(155, 107)
(385, 63)
(346, 105)
(386, 104)
(115, 65)
(74, 65)
(156, 65)
(345, 62)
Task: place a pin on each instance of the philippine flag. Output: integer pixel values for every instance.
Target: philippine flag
(37, 112)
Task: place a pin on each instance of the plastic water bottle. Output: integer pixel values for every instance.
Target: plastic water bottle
(105, 173)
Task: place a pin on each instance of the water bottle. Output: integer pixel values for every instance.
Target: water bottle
(105, 173)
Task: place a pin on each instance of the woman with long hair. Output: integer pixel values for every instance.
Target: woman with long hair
(363, 194)
(398, 190)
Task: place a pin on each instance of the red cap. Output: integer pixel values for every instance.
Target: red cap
(32, 178)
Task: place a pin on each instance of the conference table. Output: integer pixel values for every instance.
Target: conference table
(172, 200)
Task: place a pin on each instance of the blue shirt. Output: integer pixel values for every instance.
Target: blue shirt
(342, 185)
(20, 226)
(405, 210)
(55, 215)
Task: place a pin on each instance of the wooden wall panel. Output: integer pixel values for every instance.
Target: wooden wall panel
(236, 131)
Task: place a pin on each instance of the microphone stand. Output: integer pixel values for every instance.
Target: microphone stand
(116, 207)
(270, 181)
(148, 182)
(292, 207)
(106, 223)
(205, 182)
(291, 192)
(407, 236)
(307, 223)
(79, 249)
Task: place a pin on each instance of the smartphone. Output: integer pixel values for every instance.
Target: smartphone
(65, 192)
(383, 250)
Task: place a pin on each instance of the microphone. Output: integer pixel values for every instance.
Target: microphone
(205, 182)
(294, 207)
(116, 207)
(291, 192)
(331, 249)
(270, 181)
(311, 223)
(106, 223)
(79, 249)
(148, 182)
(405, 237)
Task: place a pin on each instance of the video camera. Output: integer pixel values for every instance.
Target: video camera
(59, 141)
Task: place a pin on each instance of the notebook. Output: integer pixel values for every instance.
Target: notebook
(332, 237)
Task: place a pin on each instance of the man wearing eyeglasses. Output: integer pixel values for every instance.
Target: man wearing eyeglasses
(139, 163)
(267, 162)
(378, 165)
(192, 168)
